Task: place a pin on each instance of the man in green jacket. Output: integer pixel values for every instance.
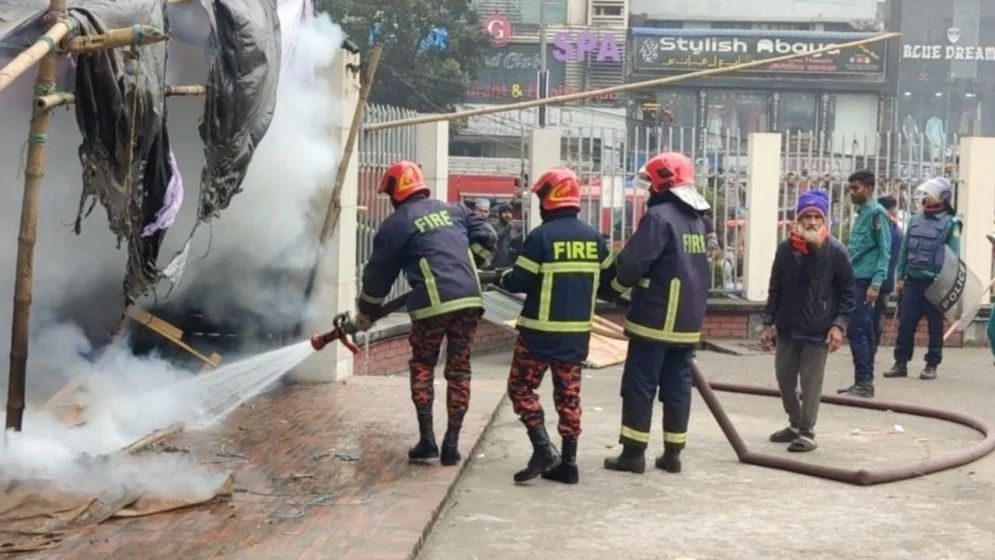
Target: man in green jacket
(870, 251)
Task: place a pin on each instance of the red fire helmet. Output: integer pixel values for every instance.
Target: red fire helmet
(558, 188)
(674, 172)
(402, 180)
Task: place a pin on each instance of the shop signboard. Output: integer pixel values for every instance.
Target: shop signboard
(511, 74)
(684, 50)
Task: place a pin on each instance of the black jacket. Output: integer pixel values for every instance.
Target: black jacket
(434, 243)
(811, 293)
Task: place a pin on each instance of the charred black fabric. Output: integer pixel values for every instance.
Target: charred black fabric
(120, 110)
(241, 97)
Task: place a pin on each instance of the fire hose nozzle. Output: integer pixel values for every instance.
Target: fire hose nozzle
(318, 342)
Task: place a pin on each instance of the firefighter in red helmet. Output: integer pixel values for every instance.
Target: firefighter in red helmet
(561, 264)
(665, 265)
(437, 246)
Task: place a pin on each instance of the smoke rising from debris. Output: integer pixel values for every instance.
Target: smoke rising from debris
(255, 257)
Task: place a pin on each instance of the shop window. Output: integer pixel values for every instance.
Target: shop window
(608, 11)
(796, 112)
(735, 115)
(677, 108)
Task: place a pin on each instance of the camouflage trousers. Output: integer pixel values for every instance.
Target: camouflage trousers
(526, 376)
(458, 329)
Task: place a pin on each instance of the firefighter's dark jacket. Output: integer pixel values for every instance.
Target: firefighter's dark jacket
(434, 243)
(665, 264)
(559, 269)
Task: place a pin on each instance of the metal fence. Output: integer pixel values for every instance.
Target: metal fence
(607, 159)
(376, 150)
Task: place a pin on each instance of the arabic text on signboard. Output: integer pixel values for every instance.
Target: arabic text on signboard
(700, 52)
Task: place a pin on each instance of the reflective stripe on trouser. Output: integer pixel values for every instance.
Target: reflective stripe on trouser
(526, 376)
(650, 366)
(426, 337)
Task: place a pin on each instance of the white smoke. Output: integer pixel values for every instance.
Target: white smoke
(267, 233)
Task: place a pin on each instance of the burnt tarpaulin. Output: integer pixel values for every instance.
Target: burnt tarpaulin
(121, 113)
(241, 98)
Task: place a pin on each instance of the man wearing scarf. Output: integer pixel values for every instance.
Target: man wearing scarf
(923, 251)
(809, 304)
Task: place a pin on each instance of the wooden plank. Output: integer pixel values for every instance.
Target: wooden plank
(172, 333)
(154, 323)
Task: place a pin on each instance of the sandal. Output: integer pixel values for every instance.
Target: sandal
(803, 444)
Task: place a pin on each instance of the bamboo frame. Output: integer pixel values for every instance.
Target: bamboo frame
(33, 175)
(60, 98)
(335, 204)
(625, 87)
(44, 53)
(38, 51)
(139, 35)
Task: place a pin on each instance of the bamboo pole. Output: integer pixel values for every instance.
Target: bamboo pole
(36, 52)
(625, 87)
(138, 35)
(33, 175)
(180, 91)
(61, 98)
(335, 205)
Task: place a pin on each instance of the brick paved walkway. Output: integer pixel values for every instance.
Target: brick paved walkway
(295, 497)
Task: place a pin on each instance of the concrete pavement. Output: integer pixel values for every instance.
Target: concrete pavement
(719, 508)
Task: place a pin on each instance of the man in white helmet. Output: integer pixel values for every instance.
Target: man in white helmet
(929, 233)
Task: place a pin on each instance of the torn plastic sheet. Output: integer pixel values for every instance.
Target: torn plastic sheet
(121, 114)
(241, 95)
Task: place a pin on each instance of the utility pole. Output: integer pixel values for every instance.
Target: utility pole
(543, 90)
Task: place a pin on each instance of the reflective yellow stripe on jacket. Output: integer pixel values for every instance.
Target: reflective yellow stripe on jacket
(436, 305)
(548, 271)
(667, 333)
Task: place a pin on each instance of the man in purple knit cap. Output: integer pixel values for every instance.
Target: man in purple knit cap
(809, 304)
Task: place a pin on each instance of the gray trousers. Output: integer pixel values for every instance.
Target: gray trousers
(797, 360)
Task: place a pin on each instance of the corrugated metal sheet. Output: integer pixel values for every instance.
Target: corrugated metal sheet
(500, 307)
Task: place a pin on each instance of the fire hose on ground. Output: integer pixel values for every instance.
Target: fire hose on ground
(344, 328)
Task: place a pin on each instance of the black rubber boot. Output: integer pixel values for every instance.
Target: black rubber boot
(631, 460)
(450, 447)
(426, 447)
(670, 461)
(566, 472)
(900, 369)
(544, 455)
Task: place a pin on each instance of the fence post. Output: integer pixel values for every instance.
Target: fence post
(762, 195)
(335, 284)
(432, 153)
(976, 203)
(545, 154)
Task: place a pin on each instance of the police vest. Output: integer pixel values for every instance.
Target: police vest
(668, 301)
(559, 270)
(926, 241)
(431, 241)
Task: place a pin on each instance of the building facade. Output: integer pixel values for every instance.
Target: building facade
(947, 73)
(585, 49)
(841, 93)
